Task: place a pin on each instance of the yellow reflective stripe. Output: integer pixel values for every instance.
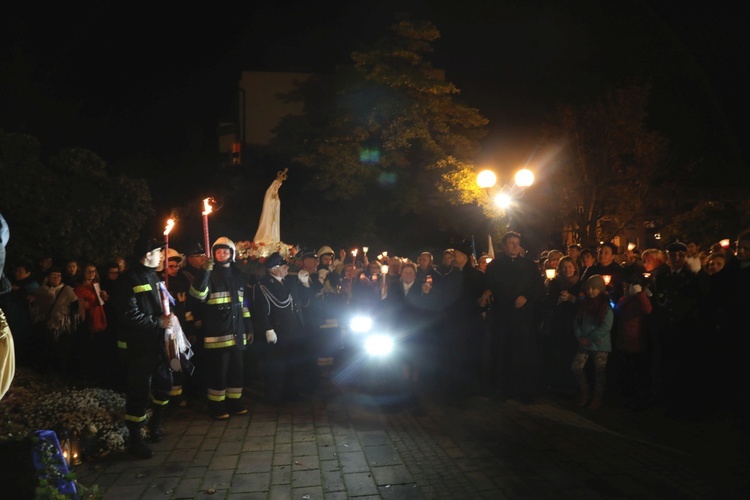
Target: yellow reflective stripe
(214, 395)
(133, 418)
(142, 288)
(159, 402)
(217, 342)
(234, 392)
(176, 390)
(220, 300)
(210, 340)
(228, 343)
(122, 344)
(198, 294)
(245, 312)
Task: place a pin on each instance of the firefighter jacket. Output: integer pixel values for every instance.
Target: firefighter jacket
(225, 315)
(138, 306)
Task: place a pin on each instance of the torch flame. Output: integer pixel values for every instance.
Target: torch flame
(207, 206)
(170, 225)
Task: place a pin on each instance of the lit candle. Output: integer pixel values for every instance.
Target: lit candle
(607, 279)
(167, 229)
(631, 247)
(724, 243)
(551, 273)
(206, 210)
(365, 249)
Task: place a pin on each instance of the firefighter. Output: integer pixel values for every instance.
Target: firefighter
(141, 325)
(226, 328)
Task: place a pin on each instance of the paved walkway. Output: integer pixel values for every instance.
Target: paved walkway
(334, 447)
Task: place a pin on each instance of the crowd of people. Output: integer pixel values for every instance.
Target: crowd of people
(659, 327)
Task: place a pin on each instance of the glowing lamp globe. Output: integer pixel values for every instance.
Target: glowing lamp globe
(486, 179)
(524, 178)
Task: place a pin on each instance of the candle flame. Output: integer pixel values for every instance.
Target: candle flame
(607, 279)
(354, 252)
(168, 228)
(207, 206)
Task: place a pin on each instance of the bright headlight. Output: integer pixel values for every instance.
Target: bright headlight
(379, 345)
(361, 324)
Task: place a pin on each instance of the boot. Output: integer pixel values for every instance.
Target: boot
(235, 407)
(155, 429)
(137, 447)
(218, 410)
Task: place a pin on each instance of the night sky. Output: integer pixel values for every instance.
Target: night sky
(128, 80)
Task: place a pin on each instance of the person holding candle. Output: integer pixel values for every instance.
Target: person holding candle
(608, 266)
(558, 344)
(226, 329)
(592, 327)
(142, 322)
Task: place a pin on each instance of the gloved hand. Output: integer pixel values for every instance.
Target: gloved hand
(208, 265)
(693, 263)
(635, 289)
(304, 276)
(322, 274)
(271, 337)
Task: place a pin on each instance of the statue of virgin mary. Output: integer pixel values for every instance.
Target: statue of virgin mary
(268, 236)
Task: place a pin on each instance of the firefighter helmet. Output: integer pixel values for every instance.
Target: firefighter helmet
(325, 250)
(224, 242)
(173, 254)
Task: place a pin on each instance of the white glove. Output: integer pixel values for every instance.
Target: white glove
(304, 277)
(693, 263)
(635, 289)
(271, 337)
(322, 273)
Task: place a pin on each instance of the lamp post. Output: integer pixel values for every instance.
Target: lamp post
(503, 197)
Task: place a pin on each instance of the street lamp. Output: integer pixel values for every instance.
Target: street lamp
(486, 179)
(503, 197)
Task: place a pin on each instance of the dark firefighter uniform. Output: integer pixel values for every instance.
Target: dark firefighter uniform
(225, 331)
(138, 305)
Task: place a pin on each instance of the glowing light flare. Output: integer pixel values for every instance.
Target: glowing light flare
(502, 200)
(365, 249)
(360, 324)
(486, 179)
(724, 243)
(631, 247)
(384, 269)
(607, 279)
(379, 345)
(551, 273)
(354, 252)
(169, 226)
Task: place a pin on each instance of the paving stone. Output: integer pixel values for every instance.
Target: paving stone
(302, 478)
(360, 483)
(254, 482)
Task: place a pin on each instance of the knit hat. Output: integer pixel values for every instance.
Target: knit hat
(596, 281)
